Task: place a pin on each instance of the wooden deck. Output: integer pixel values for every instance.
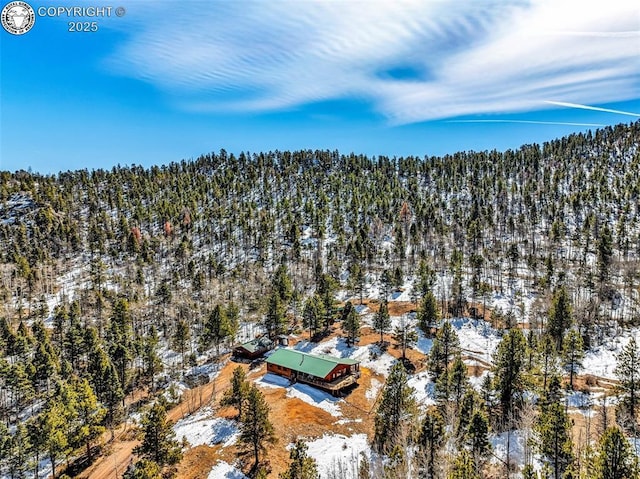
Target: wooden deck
(332, 386)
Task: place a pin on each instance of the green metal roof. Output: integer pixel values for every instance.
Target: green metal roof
(318, 366)
(257, 344)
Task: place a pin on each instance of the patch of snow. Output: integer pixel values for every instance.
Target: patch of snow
(174, 391)
(335, 452)
(477, 337)
(601, 361)
(579, 399)
(517, 446)
(273, 381)
(635, 445)
(371, 358)
(373, 391)
(309, 394)
(476, 381)
(224, 470)
(424, 344)
(201, 428)
(424, 389)
(316, 397)
(210, 369)
(348, 421)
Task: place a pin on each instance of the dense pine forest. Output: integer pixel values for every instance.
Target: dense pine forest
(120, 286)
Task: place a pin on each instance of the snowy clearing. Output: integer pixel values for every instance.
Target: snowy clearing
(201, 428)
(424, 389)
(223, 470)
(309, 394)
(373, 391)
(270, 380)
(477, 338)
(335, 452)
(316, 397)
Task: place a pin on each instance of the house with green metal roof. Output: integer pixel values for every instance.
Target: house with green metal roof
(323, 371)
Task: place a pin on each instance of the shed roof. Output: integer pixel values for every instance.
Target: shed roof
(318, 366)
(257, 344)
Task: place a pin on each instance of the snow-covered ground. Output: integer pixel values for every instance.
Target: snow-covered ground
(477, 338)
(374, 390)
(316, 397)
(517, 447)
(601, 360)
(424, 344)
(339, 454)
(310, 395)
(203, 428)
(424, 389)
(224, 470)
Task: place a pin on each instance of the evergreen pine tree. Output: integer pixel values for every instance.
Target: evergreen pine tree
(386, 283)
(54, 426)
(458, 382)
(628, 373)
(256, 429)
(275, 318)
(143, 469)
(572, 353)
(553, 430)
(528, 472)
(477, 438)
(302, 466)
(151, 362)
(90, 415)
(181, 337)
(559, 316)
(350, 323)
(428, 314)
(405, 334)
(445, 346)
(158, 442)
(395, 410)
(431, 440)
(615, 460)
(5, 444)
(237, 395)
(106, 383)
(508, 372)
(604, 253)
(216, 329)
(312, 314)
(19, 452)
(281, 284)
(463, 467)
(382, 320)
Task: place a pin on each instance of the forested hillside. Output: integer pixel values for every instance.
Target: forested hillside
(118, 286)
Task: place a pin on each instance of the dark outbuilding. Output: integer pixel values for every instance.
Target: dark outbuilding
(254, 348)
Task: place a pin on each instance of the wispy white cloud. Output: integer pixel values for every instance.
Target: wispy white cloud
(593, 108)
(465, 57)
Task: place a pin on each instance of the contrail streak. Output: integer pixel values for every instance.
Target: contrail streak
(594, 108)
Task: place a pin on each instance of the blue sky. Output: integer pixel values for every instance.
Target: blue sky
(172, 80)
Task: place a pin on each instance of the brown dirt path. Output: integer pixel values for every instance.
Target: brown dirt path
(120, 455)
(114, 464)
